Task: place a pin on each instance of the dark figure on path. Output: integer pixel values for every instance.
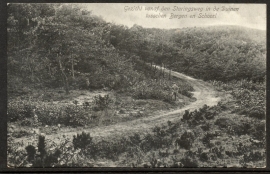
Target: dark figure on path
(175, 89)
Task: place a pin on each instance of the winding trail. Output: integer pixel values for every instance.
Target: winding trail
(203, 92)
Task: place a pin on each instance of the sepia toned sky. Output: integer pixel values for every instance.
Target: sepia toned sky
(248, 15)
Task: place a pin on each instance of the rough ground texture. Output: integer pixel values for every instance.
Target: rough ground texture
(203, 92)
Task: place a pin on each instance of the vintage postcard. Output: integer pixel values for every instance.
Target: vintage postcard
(139, 85)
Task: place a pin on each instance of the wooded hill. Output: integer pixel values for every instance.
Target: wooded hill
(54, 45)
(211, 53)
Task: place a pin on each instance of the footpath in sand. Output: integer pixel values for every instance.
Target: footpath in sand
(203, 92)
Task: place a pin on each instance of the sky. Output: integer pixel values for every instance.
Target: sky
(180, 15)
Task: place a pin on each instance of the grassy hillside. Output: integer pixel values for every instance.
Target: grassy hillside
(70, 69)
(211, 53)
(59, 45)
(61, 53)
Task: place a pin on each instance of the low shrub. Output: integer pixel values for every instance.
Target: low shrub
(80, 82)
(204, 157)
(27, 122)
(19, 109)
(186, 93)
(218, 151)
(148, 143)
(242, 149)
(41, 146)
(20, 134)
(207, 137)
(48, 114)
(39, 157)
(75, 116)
(135, 139)
(200, 116)
(242, 128)
(152, 93)
(31, 152)
(258, 131)
(159, 90)
(206, 127)
(82, 140)
(189, 162)
(186, 116)
(109, 149)
(101, 103)
(224, 123)
(253, 156)
(197, 117)
(186, 140)
(252, 127)
(257, 113)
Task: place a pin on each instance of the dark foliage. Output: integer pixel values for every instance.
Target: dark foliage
(189, 162)
(82, 140)
(31, 151)
(186, 140)
(41, 146)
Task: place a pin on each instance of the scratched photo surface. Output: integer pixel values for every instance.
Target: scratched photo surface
(142, 85)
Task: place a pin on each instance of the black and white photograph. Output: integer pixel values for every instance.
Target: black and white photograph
(136, 85)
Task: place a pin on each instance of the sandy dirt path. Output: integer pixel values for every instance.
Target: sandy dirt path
(204, 93)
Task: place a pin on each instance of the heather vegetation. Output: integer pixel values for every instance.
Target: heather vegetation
(70, 70)
(228, 142)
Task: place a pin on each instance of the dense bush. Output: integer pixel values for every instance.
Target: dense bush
(189, 162)
(159, 89)
(186, 116)
(136, 144)
(149, 143)
(186, 140)
(253, 156)
(207, 137)
(31, 151)
(136, 147)
(101, 102)
(153, 90)
(200, 116)
(206, 127)
(218, 151)
(49, 114)
(257, 113)
(80, 82)
(186, 93)
(75, 116)
(41, 146)
(258, 130)
(249, 95)
(19, 134)
(204, 157)
(69, 115)
(42, 158)
(19, 109)
(27, 122)
(243, 128)
(224, 123)
(82, 140)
